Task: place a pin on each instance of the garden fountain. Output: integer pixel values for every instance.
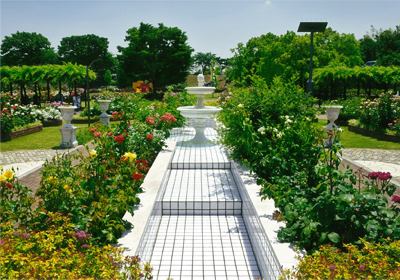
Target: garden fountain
(199, 112)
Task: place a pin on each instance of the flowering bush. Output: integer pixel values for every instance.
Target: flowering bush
(103, 186)
(12, 98)
(372, 261)
(60, 252)
(50, 113)
(378, 114)
(13, 116)
(15, 199)
(394, 126)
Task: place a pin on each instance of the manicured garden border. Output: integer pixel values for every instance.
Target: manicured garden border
(52, 123)
(374, 134)
(19, 133)
(83, 121)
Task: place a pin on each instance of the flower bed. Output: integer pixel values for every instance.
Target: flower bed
(8, 136)
(374, 134)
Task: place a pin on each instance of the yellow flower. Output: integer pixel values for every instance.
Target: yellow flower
(129, 156)
(70, 191)
(66, 187)
(50, 179)
(3, 178)
(8, 175)
(93, 153)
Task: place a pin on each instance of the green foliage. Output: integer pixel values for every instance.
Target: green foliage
(261, 116)
(270, 129)
(385, 45)
(95, 111)
(25, 48)
(287, 56)
(159, 55)
(371, 261)
(62, 252)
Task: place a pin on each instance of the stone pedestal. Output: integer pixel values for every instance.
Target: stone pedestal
(68, 137)
(68, 131)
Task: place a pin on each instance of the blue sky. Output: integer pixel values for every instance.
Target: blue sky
(211, 26)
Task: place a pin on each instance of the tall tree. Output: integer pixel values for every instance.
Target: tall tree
(368, 48)
(84, 49)
(25, 48)
(204, 61)
(159, 55)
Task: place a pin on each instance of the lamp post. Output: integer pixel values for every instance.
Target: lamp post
(311, 27)
(87, 88)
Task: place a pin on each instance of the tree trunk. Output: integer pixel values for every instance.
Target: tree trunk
(48, 90)
(370, 88)
(344, 91)
(358, 87)
(11, 88)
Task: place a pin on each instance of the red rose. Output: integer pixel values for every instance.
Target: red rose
(137, 176)
(109, 134)
(98, 124)
(119, 139)
(149, 137)
(114, 113)
(92, 130)
(97, 134)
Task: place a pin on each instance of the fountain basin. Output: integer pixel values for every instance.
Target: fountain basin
(202, 113)
(199, 115)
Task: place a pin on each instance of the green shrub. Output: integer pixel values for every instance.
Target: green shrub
(372, 261)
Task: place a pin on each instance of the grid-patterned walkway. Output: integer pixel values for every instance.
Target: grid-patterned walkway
(201, 233)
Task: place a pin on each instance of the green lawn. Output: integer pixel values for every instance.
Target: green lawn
(353, 140)
(49, 138)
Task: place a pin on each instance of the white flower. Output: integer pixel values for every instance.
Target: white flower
(279, 135)
(240, 105)
(261, 130)
(288, 121)
(340, 129)
(275, 130)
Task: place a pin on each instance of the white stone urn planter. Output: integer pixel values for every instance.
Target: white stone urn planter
(68, 131)
(332, 113)
(104, 117)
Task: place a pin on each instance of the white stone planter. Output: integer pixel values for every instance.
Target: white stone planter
(68, 131)
(332, 113)
(104, 117)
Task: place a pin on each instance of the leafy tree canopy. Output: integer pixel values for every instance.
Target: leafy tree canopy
(25, 48)
(288, 55)
(159, 55)
(84, 49)
(204, 61)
